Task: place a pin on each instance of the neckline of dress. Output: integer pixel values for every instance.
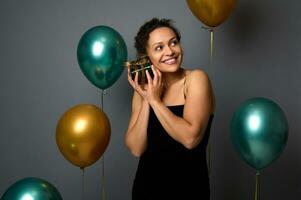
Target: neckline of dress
(178, 105)
(212, 114)
(174, 105)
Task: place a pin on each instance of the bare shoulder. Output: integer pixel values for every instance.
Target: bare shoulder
(197, 75)
(199, 87)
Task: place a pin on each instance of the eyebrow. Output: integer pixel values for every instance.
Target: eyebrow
(162, 42)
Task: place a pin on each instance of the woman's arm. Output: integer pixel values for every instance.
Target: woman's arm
(136, 135)
(199, 104)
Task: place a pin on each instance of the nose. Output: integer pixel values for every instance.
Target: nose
(169, 51)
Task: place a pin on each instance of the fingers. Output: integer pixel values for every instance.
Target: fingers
(137, 86)
(149, 78)
(155, 73)
(132, 83)
(130, 77)
(159, 76)
(136, 78)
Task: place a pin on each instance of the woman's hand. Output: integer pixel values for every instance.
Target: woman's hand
(135, 85)
(155, 86)
(152, 91)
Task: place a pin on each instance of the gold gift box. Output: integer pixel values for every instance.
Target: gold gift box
(140, 65)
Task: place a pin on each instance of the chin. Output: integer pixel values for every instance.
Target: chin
(170, 69)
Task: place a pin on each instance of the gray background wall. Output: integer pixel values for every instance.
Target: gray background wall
(256, 53)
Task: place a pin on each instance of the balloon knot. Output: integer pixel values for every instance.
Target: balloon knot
(208, 28)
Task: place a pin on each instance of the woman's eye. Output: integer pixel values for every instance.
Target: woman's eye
(158, 48)
(174, 42)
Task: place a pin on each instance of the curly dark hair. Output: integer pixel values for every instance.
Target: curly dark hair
(142, 36)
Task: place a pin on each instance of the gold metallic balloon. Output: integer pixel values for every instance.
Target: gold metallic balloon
(211, 12)
(83, 134)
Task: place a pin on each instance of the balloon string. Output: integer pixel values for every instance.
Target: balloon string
(83, 183)
(103, 178)
(103, 92)
(211, 48)
(209, 72)
(257, 185)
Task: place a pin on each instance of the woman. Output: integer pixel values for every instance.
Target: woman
(170, 120)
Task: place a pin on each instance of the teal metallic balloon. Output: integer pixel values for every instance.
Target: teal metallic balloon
(101, 54)
(259, 132)
(31, 189)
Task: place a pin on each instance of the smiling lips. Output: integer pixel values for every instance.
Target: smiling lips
(170, 61)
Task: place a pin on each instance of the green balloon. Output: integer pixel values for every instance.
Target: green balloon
(259, 132)
(101, 54)
(31, 189)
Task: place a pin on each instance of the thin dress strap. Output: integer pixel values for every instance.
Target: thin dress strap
(184, 87)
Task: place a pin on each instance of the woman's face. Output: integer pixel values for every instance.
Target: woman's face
(164, 49)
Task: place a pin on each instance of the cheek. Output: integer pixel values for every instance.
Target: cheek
(179, 50)
(156, 62)
(155, 59)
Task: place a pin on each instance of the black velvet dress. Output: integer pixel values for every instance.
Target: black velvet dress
(168, 170)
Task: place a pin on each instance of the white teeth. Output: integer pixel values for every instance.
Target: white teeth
(170, 61)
